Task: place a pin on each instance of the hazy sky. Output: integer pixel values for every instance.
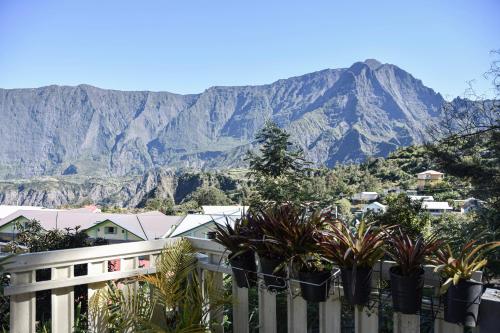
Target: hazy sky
(186, 46)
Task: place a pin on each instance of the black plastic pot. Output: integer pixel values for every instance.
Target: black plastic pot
(406, 291)
(314, 286)
(244, 269)
(277, 281)
(357, 284)
(461, 305)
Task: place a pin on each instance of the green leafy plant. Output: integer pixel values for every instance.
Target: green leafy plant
(233, 236)
(174, 299)
(358, 247)
(410, 253)
(263, 227)
(296, 233)
(461, 267)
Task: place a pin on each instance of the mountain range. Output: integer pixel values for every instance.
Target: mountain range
(335, 115)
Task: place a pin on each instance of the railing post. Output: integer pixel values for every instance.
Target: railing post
(62, 299)
(97, 324)
(365, 319)
(297, 310)
(330, 315)
(22, 307)
(240, 309)
(404, 323)
(267, 311)
(441, 326)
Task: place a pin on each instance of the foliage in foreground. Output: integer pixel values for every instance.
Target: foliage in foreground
(456, 267)
(172, 300)
(36, 239)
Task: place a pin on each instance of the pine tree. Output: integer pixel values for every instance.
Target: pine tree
(279, 169)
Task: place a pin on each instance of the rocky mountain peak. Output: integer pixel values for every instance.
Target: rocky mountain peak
(373, 63)
(336, 115)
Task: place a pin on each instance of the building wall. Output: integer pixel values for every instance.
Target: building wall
(99, 231)
(8, 231)
(200, 232)
(422, 183)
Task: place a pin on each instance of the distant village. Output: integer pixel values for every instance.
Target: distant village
(117, 228)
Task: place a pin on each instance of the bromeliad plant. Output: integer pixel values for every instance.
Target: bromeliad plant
(235, 237)
(411, 253)
(350, 247)
(463, 294)
(265, 226)
(407, 278)
(460, 268)
(356, 251)
(297, 235)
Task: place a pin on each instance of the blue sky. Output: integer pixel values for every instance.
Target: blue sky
(186, 46)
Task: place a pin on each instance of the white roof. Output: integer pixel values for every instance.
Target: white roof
(436, 205)
(430, 172)
(224, 210)
(376, 204)
(365, 196)
(150, 225)
(157, 225)
(421, 197)
(193, 221)
(6, 210)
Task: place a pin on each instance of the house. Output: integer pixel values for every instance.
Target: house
(436, 208)
(113, 227)
(421, 197)
(392, 190)
(365, 196)
(428, 178)
(375, 207)
(469, 204)
(199, 225)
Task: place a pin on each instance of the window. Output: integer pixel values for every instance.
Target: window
(123, 231)
(109, 230)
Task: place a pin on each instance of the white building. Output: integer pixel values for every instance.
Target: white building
(469, 204)
(365, 196)
(421, 197)
(375, 207)
(198, 225)
(112, 227)
(225, 210)
(436, 208)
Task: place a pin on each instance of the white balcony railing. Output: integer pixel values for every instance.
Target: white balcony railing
(23, 288)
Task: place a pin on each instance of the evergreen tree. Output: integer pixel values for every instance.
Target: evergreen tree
(279, 169)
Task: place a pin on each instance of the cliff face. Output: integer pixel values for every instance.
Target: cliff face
(336, 115)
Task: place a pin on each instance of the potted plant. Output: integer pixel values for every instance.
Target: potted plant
(462, 293)
(355, 251)
(242, 259)
(264, 226)
(407, 276)
(298, 239)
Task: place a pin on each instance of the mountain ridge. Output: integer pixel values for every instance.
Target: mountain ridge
(345, 114)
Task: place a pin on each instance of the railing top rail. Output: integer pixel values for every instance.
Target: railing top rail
(40, 260)
(48, 259)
